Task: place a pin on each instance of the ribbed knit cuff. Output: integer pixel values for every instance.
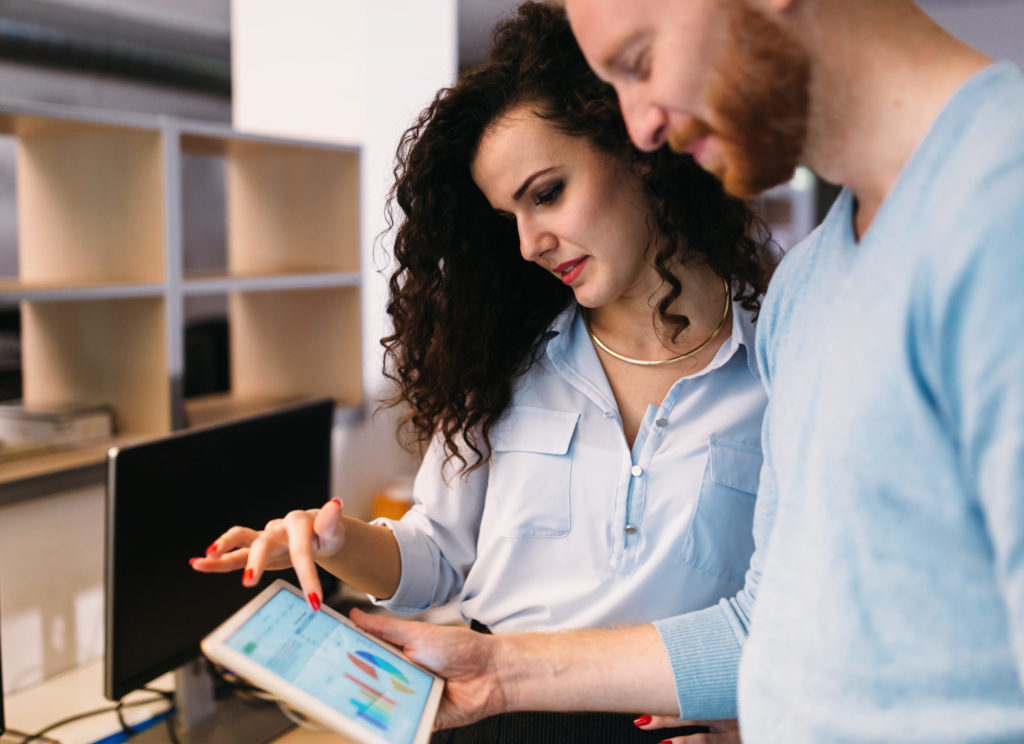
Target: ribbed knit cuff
(705, 657)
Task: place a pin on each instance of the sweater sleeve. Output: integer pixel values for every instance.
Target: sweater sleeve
(704, 647)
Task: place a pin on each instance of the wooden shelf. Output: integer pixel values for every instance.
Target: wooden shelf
(14, 290)
(220, 282)
(215, 409)
(103, 280)
(57, 460)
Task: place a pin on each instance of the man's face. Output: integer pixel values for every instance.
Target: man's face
(716, 78)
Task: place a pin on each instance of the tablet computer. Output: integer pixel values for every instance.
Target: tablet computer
(325, 667)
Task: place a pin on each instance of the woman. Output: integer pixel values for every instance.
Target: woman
(591, 415)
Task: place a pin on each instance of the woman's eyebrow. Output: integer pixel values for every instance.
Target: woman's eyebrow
(530, 179)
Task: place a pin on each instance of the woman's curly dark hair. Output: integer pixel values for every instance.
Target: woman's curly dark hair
(468, 313)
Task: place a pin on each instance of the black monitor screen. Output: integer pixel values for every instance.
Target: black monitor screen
(169, 498)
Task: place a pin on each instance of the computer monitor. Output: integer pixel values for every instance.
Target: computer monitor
(167, 499)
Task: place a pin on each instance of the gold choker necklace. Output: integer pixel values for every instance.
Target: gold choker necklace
(687, 355)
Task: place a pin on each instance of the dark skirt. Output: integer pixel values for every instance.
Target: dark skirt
(557, 728)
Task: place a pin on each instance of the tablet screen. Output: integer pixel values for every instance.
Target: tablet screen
(336, 665)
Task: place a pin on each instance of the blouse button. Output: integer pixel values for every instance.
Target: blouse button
(662, 422)
(637, 471)
(630, 529)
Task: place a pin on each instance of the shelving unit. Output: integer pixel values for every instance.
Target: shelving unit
(102, 281)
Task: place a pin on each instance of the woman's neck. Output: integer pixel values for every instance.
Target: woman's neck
(634, 327)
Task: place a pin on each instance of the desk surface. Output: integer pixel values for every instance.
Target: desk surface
(81, 689)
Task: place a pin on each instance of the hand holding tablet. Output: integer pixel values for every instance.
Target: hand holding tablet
(327, 668)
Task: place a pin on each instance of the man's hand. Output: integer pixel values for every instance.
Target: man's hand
(462, 656)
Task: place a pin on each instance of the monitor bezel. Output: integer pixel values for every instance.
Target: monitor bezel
(116, 687)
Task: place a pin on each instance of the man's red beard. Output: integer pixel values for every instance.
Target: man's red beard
(760, 96)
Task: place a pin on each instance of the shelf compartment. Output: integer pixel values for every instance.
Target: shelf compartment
(296, 343)
(101, 352)
(90, 206)
(290, 209)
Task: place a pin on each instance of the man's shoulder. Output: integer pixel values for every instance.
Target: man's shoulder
(968, 189)
(985, 136)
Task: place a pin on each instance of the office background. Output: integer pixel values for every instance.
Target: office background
(354, 71)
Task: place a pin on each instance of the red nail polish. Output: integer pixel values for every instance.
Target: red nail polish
(314, 601)
(192, 561)
(211, 548)
(642, 721)
(247, 576)
(336, 501)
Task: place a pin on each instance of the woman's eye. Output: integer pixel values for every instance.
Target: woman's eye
(550, 194)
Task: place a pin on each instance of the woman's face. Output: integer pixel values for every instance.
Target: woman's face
(581, 214)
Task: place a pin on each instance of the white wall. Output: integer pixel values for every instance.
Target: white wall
(996, 27)
(354, 72)
(51, 579)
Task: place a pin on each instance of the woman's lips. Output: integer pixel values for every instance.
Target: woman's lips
(569, 270)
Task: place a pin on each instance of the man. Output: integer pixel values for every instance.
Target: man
(889, 569)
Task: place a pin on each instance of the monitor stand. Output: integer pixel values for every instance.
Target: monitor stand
(199, 719)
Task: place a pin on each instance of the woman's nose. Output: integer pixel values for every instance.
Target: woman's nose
(534, 241)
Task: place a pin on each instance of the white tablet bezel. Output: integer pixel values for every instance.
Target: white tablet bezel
(215, 647)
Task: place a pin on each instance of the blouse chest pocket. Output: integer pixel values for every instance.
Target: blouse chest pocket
(530, 473)
(720, 540)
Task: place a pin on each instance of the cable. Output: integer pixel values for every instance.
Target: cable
(88, 714)
(127, 730)
(168, 695)
(8, 732)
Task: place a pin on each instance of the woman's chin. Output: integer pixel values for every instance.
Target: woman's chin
(584, 299)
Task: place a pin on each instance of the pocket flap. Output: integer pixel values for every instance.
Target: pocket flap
(735, 465)
(530, 429)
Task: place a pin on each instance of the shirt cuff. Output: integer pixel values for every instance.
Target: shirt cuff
(705, 656)
(415, 592)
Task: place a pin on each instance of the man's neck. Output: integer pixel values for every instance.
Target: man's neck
(882, 74)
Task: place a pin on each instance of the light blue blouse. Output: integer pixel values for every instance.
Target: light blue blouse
(565, 526)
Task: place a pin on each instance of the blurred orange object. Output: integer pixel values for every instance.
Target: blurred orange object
(393, 500)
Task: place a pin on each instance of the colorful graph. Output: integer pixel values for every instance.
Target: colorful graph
(363, 666)
(400, 687)
(372, 705)
(382, 665)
